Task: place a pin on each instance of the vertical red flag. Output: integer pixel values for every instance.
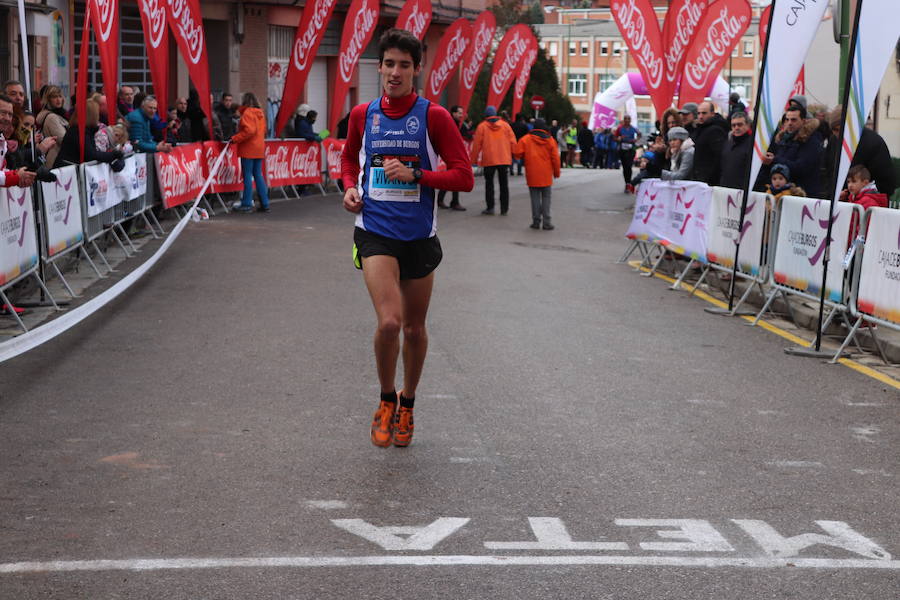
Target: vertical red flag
(639, 27)
(105, 20)
(454, 43)
(415, 17)
(186, 22)
(682, 20)
(156, 39)
(81, 80)
(509, 54)
(359, 26)
(482, 39)
(310, 32)
(524, 74)
(719, 32)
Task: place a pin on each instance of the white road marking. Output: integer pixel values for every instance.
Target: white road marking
(327, 504)
(796, 464)
(551, 534)
(698, 535)
(420, 538)
(840, 535)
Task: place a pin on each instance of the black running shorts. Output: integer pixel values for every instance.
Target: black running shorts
(416, 258)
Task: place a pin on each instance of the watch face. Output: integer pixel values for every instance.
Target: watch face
(417, 174)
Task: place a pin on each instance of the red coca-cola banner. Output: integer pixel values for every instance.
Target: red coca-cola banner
(105, 21)
(293, 162)
(415, 17)
(186, 22)
(482, 39)
(512, 49)
(333, 149)
(156, 40)
(681, 23)
(81, 77)
(181, 173)
(522, 78)
(454, 43)
(719, 31)
(309, 35)
(362, 16)
(637, 23)
(229, 177)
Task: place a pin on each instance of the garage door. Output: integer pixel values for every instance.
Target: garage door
(317, 90)
(369, 81)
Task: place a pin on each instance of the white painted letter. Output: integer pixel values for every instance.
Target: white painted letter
(700, 535)
(839, 535)
(551, 534)
(420, 538)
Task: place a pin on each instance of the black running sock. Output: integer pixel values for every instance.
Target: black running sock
(407, 402)
(389, 397)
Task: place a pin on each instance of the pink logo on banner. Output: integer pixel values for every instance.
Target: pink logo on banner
(823, 225)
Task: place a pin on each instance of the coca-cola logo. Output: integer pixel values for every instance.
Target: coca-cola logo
(292, 161)
(229, 169)
(417, 20)
(333, 156)
(525, 72)
(106, 12)
(188, 29)
(514, 51)
(685, 23)
(721, 36)
(362, 27)
(634, 27)
(456, 47)
(305, 43)
(481, 43)
(180, 173)
(155, 15)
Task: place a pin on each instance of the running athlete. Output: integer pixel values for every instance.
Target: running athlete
(389, 169)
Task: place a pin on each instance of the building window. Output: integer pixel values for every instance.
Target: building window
(604, 49)
(554, 49)
(584, 48)
(734, 52)
(742, 85)
(571, 48)
(617, 48)
(542, 45)
(577, 85)
(748, 48)
(281, 39)
(606, 80)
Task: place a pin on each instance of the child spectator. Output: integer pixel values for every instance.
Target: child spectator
(780, 184)
(542, 161)
(861, 189)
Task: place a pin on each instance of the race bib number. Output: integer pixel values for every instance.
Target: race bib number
(392, 190)
(627, 146)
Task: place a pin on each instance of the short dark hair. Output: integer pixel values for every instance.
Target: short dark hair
(401, 40)
(796, 107)
(455, 108)
(739, 114)
(859, 172)
(5, 98)
(226, 94)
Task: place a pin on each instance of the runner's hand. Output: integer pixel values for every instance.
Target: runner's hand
(396, 170)
(352, 201)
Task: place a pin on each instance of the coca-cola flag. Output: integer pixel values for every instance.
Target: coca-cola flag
(524, 74)
(293, 162)
(509, 54)
(81, 78)
(309, 35)
(105, 21)
(719, 31)
(639, 27)
(359, 25)
(156, 39)
(454, 43)
(415, 17)
(186, 22)
(682, 20)
(482, 39)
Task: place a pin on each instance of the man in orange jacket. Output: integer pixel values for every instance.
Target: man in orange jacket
(492, 149)
(541, 155)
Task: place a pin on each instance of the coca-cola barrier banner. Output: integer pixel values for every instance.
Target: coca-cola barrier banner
(293, 162)
(454, 43)
(180, 173)
(524, 74)
(229, 177)
(362, 16)
(415, 17)
(105, 21)
(156, 40)
(482, 39)
(186, 22)
(639, 27)
(682, 21)
(309, 35)
(510, 52)
(718, 33)
(333, 149)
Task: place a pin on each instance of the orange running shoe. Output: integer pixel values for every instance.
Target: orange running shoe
(382, 423)
(403, 426)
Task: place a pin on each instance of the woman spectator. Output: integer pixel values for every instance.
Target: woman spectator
(250, 142)
(51, 121)
(25, 129)
(70, 152)
(682, 148)
(669, 120)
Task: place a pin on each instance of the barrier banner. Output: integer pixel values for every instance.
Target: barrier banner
(139, 183)
(361, 19)
(293, 162)
(63, 211)
(310, 32)
(18, 236)
(415, 17)
(639, 27)
(673, 214)
(229, 177)
(186, 21)
(482, 39)
(512, 49)
(802, 230)
(879, 278)
(100, 190)
(105, 21)
(523, 76)
(123, 180)
(454, 43)
(333, 150)
(156, 41)
(724, 220)
(679, 28)
(180, 173)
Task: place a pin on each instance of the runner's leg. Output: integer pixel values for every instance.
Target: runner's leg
(416, 294)
(382, 276)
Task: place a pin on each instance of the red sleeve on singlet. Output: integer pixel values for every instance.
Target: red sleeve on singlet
(350, 155)
(448, 143)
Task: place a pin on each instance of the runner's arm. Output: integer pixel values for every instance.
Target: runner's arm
(350, 155)
(448, 142)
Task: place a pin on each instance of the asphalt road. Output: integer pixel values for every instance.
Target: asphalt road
(581, 432)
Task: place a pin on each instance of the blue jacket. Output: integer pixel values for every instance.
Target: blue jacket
(303, 129)
(139, 131)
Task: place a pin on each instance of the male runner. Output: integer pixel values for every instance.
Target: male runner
(388, 169)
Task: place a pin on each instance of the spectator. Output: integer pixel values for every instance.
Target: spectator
(560, 137)
(10, 174)
(492, 149)
(586, 145)
(251, 147)
(736, 153)
(16, 93)
(139, 127)
(227, 113)
(25, 130)
(600, 144)
(100, 99)
(780, 184)
(554, 128)
(670, 119)
(681, 147)
(872, 153)
(467, 129)
(735, 105)
(798, 146)
(303, 124)
(199, 124)
(458, 113)
(862, 190)
(342, 126)
(541, 157)
(688, 114)
(125, 100)
(70, 152)
(627, 137)
(51, 121)
(708, 141)
(571, 142)
(520, 128)
(173, 124)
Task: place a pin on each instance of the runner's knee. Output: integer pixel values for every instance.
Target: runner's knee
(414, 332)
(389, 326)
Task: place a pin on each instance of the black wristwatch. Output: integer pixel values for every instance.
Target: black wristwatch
(417, 175)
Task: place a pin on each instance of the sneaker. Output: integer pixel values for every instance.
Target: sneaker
(535, 225)
(457, 207)
(548, 227)
(382, 423)
(403, 426)
(487, 211)
(263, 209)
(243, 209)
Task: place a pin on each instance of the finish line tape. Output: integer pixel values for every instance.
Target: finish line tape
(44, 333)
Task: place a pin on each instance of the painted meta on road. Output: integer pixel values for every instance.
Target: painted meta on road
(655, 542)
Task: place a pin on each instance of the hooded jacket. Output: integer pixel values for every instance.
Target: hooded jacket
(494, 143)
(251, 135)
(541, 154)
(869, 197)
(802, 153)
